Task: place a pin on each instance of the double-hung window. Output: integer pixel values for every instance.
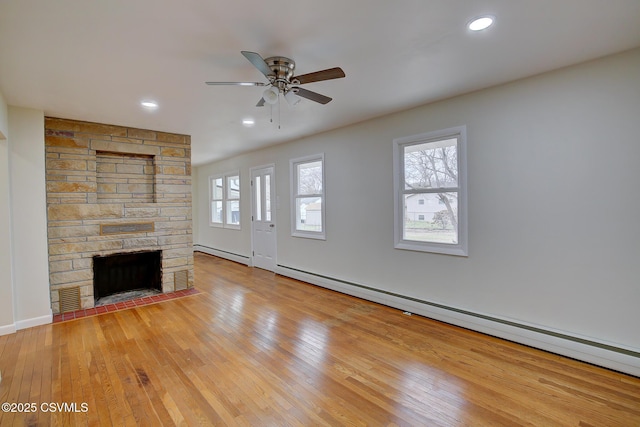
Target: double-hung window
(224, 191)
(307, 197)
(431, 192)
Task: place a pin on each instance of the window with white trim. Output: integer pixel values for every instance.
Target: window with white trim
(224, 193)
(307, 197)
(430, 192)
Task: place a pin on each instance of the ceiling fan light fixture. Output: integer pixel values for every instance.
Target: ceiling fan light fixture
(271, 95)
(481, 23)
(291, 98)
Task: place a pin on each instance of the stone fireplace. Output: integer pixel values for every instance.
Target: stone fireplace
(112, 192)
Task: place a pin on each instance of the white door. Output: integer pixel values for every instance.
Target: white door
(263, 220)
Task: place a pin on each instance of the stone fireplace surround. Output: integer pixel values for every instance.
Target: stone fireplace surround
(114, 190)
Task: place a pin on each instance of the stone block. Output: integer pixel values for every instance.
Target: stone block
(61, 141)
(141, 133)
(84, 127)
(173, 225)
(70, 276)
(87, 302)
(130, 168)
(107, 188)
(84, 211)
(121, 147)
(171, 138)
(176, 239)
(176, 211)
(175, 262)
(141, 212)
(135, 188)
(67, 165)
(173, 170)
(91, 247)
(140, 242)
(80, 263)
(73, 231)
(173, 188)
(173, 152)
(130, 140)
(71, 187)
(58, 266)
(177, 253)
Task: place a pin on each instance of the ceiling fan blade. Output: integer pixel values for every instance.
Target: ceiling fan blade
(329, 74)
(313, 96)
(236, 83)
(260, 103)
(259, 63)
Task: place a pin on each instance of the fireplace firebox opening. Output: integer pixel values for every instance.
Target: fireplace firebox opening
(124, 273)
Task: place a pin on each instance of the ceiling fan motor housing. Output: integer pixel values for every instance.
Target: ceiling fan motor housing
(282, 69)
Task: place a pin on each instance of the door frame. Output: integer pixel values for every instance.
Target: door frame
(274, 207)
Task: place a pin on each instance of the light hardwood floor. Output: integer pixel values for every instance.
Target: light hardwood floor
(256, 349)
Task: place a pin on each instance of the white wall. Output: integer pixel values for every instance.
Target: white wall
(6, 284)
(554, 237)
(31, 298)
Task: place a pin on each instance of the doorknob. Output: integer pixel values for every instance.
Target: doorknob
(272, 225)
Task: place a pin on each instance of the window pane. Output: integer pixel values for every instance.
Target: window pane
(233, 212)
(216, 188)
(233, 187)
(309, 178)
(267, 197)
(431, 165)
(216, 212)
(434, 221)
(309, 214)
(258, 200)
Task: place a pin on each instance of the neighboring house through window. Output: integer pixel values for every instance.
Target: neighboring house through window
(224, 191)
(307, 197)
(430, 192)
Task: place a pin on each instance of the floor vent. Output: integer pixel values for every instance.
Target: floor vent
(181, 280)
(69, 299)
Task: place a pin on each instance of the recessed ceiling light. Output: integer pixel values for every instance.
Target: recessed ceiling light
(480, 23)
(248, 122)
(149, 104)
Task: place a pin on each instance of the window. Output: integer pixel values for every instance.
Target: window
(225, 200)
(307, 197)
(430, 192)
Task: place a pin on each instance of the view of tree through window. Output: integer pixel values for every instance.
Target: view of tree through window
(310, 185)
(431, 192)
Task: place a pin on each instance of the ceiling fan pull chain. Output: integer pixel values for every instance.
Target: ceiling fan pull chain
(279, 108)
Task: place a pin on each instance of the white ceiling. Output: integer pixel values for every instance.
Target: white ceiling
(96, 60)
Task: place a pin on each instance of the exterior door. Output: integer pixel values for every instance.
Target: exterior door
(263, 221)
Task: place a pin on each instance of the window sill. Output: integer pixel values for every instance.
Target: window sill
(456, 250)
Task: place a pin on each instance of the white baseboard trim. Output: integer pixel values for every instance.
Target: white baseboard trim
(590, 350)
(7, 329)
(241, 259)
(35, 321)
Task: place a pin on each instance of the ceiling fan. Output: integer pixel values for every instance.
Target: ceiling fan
(279, 71)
